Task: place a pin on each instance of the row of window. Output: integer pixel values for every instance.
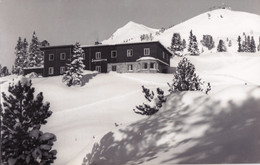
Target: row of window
(144, 66)
(114, 68)
(129, 53)
(62, 56)
(51, 70)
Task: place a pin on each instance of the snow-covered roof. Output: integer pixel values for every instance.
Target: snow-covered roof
(129, 43)
(126, 43)
(56, 46)
(151, 58)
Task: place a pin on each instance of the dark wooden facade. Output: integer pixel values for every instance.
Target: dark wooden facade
(99, 57)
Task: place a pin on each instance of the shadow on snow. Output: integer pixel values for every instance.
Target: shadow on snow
(232, 136)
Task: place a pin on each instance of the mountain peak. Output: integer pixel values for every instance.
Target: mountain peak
(130, 32)
(131, 23)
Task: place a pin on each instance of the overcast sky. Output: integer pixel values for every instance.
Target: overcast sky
(86, 21)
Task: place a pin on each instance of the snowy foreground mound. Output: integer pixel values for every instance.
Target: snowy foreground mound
(191, 128)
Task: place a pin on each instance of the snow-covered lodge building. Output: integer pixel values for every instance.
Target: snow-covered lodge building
(150, 57)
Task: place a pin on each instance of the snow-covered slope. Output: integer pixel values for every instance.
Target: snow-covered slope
(220, 23)
(129, 33)
(191, 128)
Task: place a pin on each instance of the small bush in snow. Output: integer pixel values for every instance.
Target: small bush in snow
(75, 68)
(154, 103)
(185, 78)
(22, 116)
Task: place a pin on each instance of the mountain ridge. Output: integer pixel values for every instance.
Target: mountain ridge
(220, 23)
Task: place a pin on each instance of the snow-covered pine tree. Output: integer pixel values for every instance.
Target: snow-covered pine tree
(193, 45)
(176, 45)
(19, 58)
(35, 58)
(185, 78)
(248, 44)
(239, 44)
(22, 117)
(252, 45)
(221, 46)
(25, 52)
(74, 69)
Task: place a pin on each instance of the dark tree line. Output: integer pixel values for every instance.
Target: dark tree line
(246, 44)
(28, 55)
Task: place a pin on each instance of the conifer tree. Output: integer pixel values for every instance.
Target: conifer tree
(75, 68)
(246, 44)
(193, 45)
(221, 46)
(176, 45)
(35, 54)
(19, 59)
(25, 52)
(22, 117)
(185, 78)
(252, 45)
(239, 44)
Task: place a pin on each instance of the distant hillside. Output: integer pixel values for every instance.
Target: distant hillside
(130, 32)
(220, 23)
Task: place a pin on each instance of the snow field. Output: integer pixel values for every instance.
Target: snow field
(189, 120)
(193, 127)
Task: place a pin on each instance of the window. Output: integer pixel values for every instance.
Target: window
(98, 68)
(130, 67)
(152, 65)
(145, 65)
(83, 56)
(62, 70)
(51, 57)
(163, 55)
(167, 57)
(62, 56)
(51, 71)
(146, 51)
(98, 55)
(113, 54)
(130, 53)
(113, 67)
